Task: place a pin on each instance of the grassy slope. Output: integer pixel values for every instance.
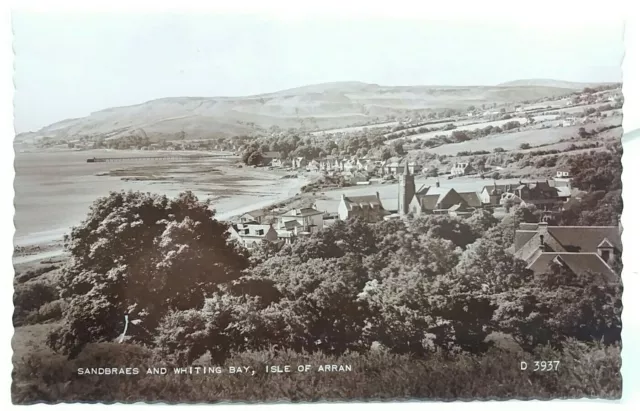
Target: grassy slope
(321, 106)
(583, 371)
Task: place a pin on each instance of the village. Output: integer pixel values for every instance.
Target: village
(578, 247)
(402, 187)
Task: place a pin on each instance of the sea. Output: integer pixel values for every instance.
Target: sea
(54, 189)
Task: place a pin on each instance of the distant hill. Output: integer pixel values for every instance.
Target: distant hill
(313, 107)
(549, 83)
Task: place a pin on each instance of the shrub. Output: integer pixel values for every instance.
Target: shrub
(31, 274)
(31, 296)
(585, 370)
(166, 253)
(53, 310)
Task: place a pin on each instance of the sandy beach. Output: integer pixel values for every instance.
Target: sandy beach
(54, 189)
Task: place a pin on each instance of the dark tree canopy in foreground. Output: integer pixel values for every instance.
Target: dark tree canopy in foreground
(141, 255)
(412, 287)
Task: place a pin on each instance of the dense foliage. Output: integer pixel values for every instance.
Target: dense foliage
(599, 176)
(433, 283)
(140, 255)
(586, 370)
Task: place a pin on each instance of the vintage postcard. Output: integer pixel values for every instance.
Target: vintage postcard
(227, 207)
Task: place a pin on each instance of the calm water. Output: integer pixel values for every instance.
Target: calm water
(53, 190)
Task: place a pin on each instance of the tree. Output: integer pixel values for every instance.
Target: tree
(600, 170)
(593, 208)
(445, 227)
(481, 221)
(386, 154)
(398, 148)
(415, 304)
(460, 136)
(560, 304)
(141, 255)
(525, 213)
(252, 156)
(432, 171)
(255, 158)
(486, 265)
(583, 133)
(318, 308)
(226, 323)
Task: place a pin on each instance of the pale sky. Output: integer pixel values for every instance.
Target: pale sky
(68, 66)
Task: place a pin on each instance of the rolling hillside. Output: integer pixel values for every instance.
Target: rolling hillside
(314, 107)
(549, 83)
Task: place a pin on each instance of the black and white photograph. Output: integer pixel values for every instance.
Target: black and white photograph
(224, 207)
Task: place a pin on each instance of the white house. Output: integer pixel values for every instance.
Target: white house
(306, 220)
(252, 235)
(368, 207)
(461, 169)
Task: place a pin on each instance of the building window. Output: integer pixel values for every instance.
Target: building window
(605, 254)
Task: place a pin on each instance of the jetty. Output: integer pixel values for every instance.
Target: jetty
(142, 158)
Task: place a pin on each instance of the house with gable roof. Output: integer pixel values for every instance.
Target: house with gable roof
(367, 207)
(576, 248)
(251, 235)
(543, 195)
(433, 200)
(439, 200)
(301, 220)
(461, 169)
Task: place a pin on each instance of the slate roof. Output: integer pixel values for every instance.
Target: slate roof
(522, 237)
(389, 204)
(251, 230)
(539, 186)
(257, 213)
(429, 201)
(291, 224)
(571, 239)
(303, 212)
(528, 226)
(362, 201)
(472, 198)
(586, 239)
(499, 187)
(576, 262)
(564, 191)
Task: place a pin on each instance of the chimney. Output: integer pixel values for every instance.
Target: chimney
(437, 183)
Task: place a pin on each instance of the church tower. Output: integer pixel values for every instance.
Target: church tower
(406, 190)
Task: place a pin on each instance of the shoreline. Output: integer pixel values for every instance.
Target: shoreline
(257, 189)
